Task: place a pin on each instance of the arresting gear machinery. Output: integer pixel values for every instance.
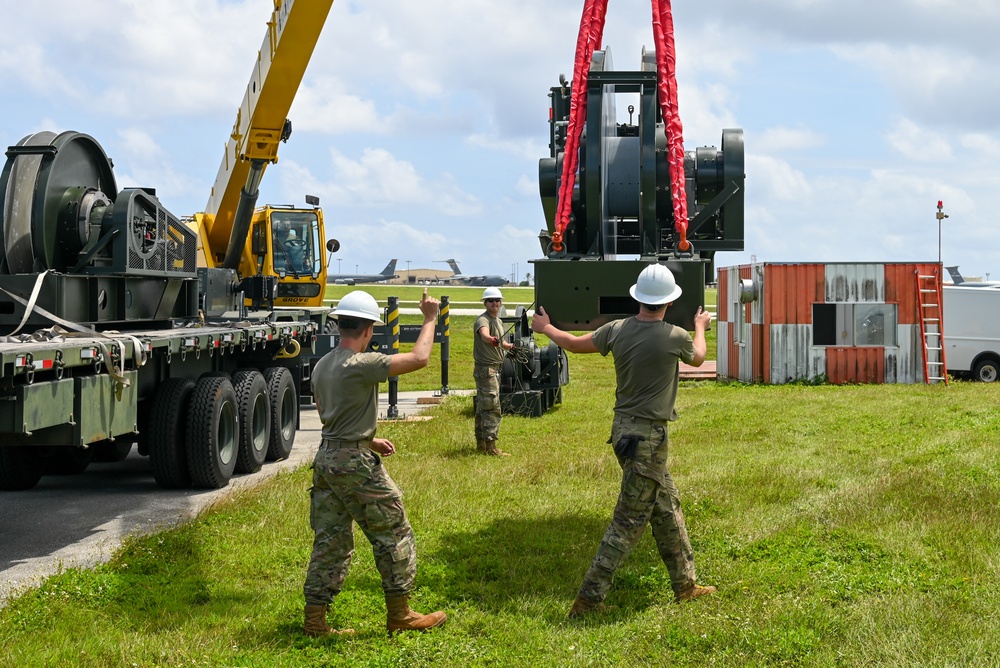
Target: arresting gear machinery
(617, 194)
(532, 377)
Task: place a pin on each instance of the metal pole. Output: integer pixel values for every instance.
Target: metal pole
(392, 320)
(444, 324)
(941, 215)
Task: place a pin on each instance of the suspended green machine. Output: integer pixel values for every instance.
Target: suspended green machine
(622, 216)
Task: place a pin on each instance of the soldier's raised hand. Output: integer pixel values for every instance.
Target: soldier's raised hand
(702, 319)
(540, 321)
(428, 306)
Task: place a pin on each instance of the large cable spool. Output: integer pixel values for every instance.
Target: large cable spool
(50, 188)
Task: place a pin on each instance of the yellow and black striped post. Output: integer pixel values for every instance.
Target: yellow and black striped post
(444, 326)
(392, 321)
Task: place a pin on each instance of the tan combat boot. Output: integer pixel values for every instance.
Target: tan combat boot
(316, 623)
(493, 451)
(481, 445)
(399, 617)
(693, 592)
(582, 606)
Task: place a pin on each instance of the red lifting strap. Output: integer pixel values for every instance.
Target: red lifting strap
(591, 32)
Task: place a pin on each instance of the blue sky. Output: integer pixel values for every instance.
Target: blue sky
(420, 124)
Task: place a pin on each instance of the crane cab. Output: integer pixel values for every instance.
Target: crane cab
(284, 241)
(288, 242)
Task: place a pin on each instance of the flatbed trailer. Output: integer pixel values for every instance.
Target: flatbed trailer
(184, 336)
(202, 399)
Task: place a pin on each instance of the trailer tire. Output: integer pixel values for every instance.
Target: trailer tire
(164, 439)
(68, 460)
(111, 451)
(255, 419)
(987, 371)
(284, 411)
(20, 468)
(212, 433)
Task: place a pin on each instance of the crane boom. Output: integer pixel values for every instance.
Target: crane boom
(261, 122)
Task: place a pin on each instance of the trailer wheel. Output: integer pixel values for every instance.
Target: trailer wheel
(284, 411)
(164, 439)
(988, 371)
(111, 451)
(212, 433)
(20, 468)
(68, 460)
(255, 419)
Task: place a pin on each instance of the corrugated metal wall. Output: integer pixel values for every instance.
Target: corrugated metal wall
(725, 365)
(855, 364)
(790, 290)
(777, 344)
(740, 340)
(793, 356)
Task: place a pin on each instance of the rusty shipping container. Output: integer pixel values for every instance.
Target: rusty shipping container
(845, 322)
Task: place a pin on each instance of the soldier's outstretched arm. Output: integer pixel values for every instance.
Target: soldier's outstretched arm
(418, 357)
(702, 320)
(542, 324)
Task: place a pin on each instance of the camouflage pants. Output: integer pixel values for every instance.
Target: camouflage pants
(351, 485)
(487, 402)
(648, 496)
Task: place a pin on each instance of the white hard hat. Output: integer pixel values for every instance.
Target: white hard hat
(492, 293)
(358, 304)
(655, 286)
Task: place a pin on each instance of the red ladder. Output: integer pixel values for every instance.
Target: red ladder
(931, 318)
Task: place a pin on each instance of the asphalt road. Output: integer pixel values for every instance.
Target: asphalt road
(80, 520)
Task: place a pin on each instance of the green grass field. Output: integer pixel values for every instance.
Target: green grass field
(844, 526)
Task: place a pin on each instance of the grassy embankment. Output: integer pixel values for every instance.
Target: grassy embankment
(844, 526)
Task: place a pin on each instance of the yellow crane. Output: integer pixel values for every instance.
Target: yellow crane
(282, 241)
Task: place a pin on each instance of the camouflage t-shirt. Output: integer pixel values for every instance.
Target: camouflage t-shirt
(646, 355)
(345, 384)
(483, 352)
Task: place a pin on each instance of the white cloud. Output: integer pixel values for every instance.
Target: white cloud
(527, 185)
(524, 148)
(917, 143)
(418, 242)
(323, 106)
(773, 179)
(149, 165)
(781, 139)
(983, 147)
(379, 179)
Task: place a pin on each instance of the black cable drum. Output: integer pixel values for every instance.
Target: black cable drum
(41, 172)
(621, 177)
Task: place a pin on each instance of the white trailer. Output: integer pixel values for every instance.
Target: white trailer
(972, 330)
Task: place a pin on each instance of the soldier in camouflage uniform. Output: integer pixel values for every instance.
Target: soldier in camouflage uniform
(349, 482)
(646, 351)
(487, 352)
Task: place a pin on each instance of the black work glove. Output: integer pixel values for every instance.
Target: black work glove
(627, 444)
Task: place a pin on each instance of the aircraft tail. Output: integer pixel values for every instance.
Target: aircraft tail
(390, 269)
(454, 267)
(956, 277)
